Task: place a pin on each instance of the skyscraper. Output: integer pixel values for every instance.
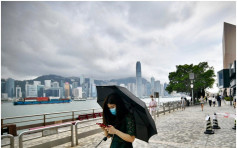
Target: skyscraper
(10, 87)
(67, 90)
(18, 92)
(138, 79)
(152, 85)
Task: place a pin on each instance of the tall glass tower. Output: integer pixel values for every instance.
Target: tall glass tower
(139, 79)
(10, 85)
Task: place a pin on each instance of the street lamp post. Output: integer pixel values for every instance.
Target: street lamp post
(192, 91)
(191, 77)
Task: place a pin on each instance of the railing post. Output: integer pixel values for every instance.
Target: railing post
(72, 138)
(1, 122)
(157, 112)
(72, 115)
(44, 120)
(173, 106)
(169, 106)
(164, 108)
(93, 111)
(76, 132)
(177, 105)
(11, 139)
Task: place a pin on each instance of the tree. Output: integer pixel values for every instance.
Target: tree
(180, 82)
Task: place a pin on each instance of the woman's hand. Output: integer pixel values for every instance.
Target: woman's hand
(111, 130)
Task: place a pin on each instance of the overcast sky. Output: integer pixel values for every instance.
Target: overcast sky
(104, 40)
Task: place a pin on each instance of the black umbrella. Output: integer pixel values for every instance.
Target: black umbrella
(145, 125)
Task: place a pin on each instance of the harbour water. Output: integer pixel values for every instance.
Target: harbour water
(10, 110)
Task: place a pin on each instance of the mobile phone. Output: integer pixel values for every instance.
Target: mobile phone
(101, 124)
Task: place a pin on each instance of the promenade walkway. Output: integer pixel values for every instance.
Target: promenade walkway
(178, 129)
(183, 129)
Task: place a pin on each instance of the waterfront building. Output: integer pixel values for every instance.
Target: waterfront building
(67, 90)
(161, 90)
(227, 76)
(40, 90)
(138, 79)
(82, 80)
(148, 89)
(157, 87)
(74, 85)
(52, 92)
(165, 92)
(77, 93)
(62, 88)
(10, 87)
(132, 88)
(55, 84)
(18, 92)
(152, 85)
(4, 96)
(47, 83)
(37, 83)
(85, 90)
(31, 90)
(91, 83)
(3, 86)
(94, 92)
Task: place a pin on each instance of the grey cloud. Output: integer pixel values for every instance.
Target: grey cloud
(156, 15)
(99, 39)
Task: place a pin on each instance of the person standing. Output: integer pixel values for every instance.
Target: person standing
(152, 106)
(214, 101)
(218, 100)
(210, 100)
(183, 103)
(120, 124)
(202, 102)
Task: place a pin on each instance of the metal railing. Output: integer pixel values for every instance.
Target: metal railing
(46, 130)
(31, 121)
(11, 140)
(88, 133)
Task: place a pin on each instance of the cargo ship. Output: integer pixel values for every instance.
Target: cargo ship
(41, 100)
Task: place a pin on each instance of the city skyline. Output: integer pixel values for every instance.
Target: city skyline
(104, 40)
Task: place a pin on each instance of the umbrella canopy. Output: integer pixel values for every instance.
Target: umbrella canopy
(145, 125)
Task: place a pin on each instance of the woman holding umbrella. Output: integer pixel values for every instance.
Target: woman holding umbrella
(120, 123)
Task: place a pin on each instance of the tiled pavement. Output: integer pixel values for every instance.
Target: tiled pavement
(184, 129)
(178, 129)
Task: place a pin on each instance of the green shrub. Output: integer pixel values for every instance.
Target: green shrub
(228, 98)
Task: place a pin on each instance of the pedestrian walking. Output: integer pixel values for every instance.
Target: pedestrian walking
(214, 101)
(202, 102)
(152, 106)
(218, 98)
(183, 103)
(210, 100)
(205, 98)
(234, 101)
(120, 123)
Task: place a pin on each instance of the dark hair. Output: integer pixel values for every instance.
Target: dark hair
(121, 111)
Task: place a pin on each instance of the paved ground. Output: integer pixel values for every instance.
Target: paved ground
(178, 129)
(184, 129)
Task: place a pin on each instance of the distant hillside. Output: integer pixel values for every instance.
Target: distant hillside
(57, 78)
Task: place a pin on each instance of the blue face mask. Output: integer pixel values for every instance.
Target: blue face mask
(113, 111)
